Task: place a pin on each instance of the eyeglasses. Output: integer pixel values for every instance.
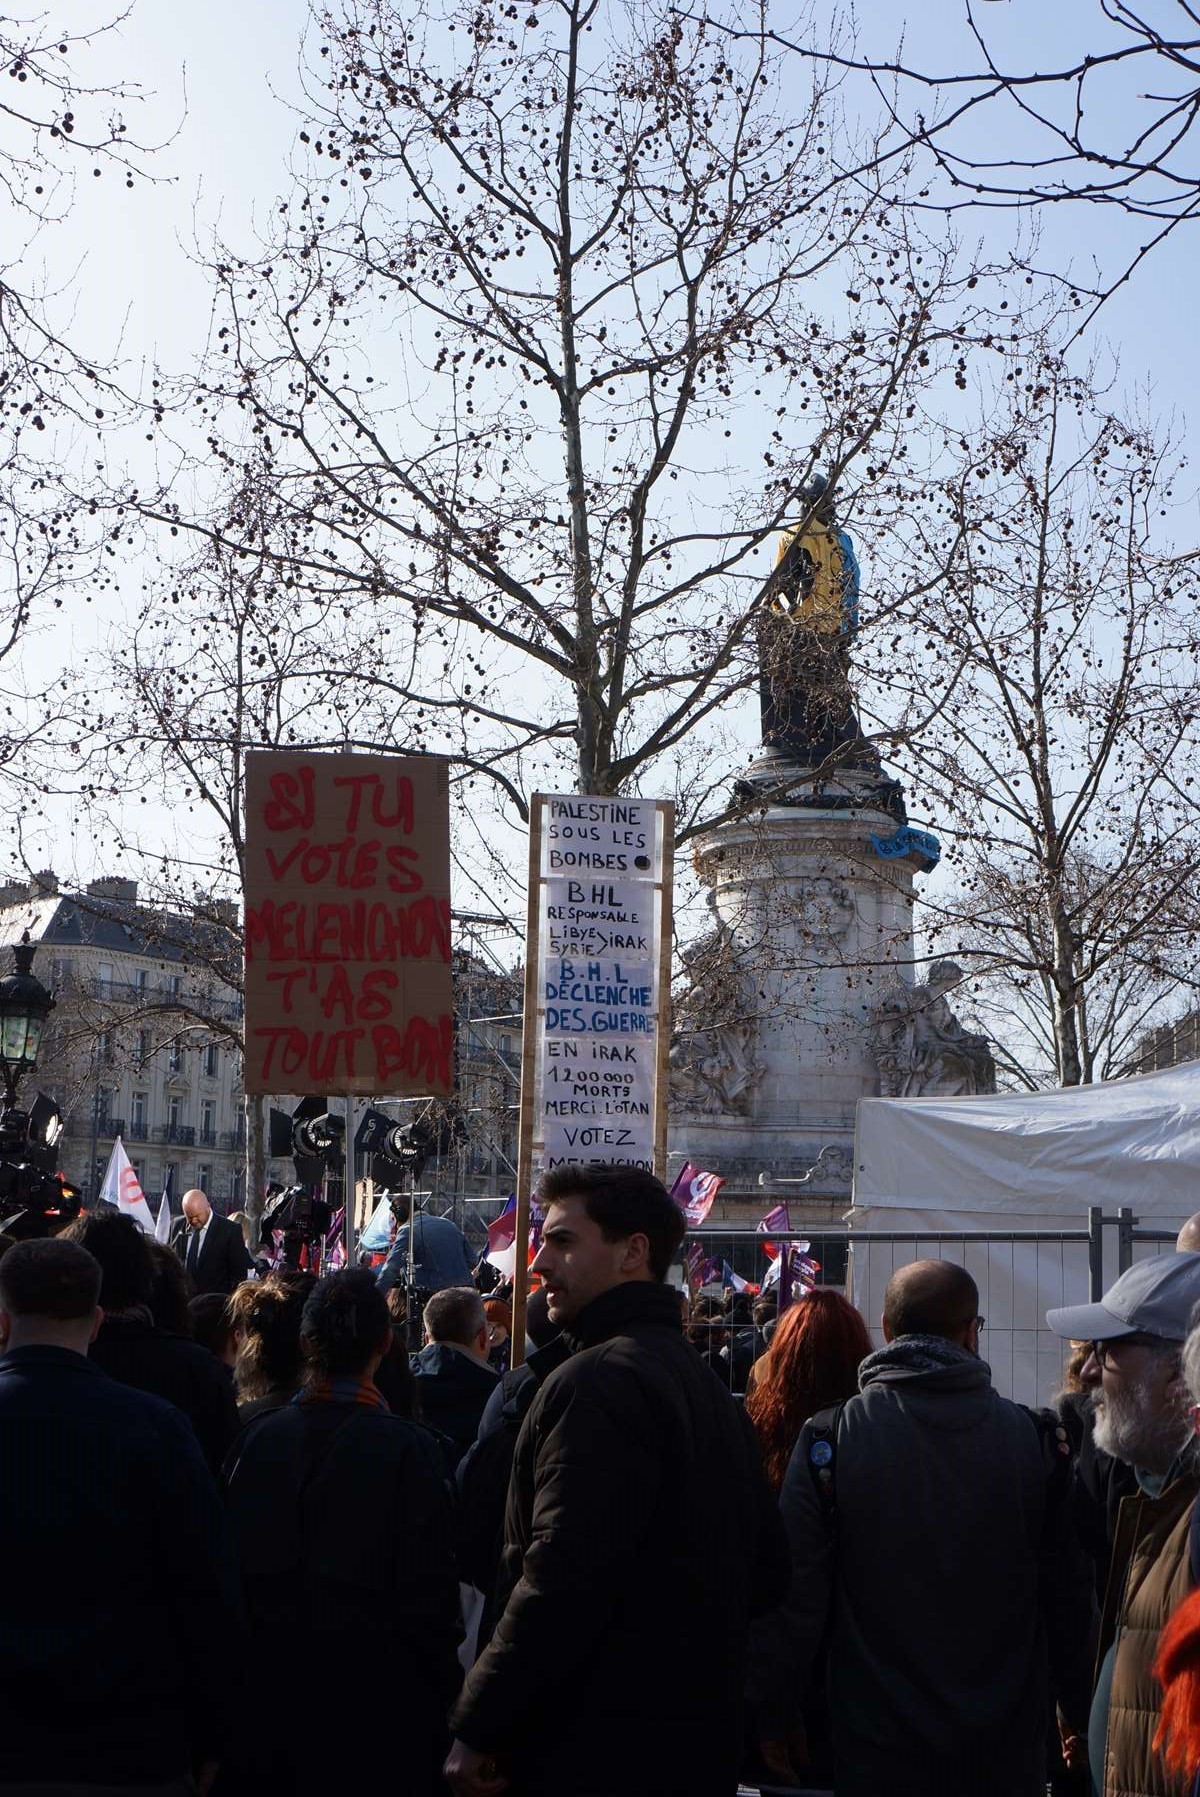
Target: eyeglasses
(1104, 1351)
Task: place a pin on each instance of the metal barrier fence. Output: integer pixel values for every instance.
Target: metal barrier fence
(1020, 1275)
(1131, 1236)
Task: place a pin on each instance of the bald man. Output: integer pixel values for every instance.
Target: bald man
(932, 1551)
(212, 1249)
(1188, 1239)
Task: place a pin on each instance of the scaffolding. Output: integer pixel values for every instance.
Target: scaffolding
(474, 1168)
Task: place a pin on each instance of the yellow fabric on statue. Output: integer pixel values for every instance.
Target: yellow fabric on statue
(823, 570)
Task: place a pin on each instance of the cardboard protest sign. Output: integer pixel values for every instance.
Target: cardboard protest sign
(347, 935)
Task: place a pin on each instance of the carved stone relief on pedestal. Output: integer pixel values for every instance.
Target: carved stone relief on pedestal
(920, 1047)
(714, 1067)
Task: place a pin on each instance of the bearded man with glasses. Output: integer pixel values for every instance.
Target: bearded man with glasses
(1139, 1406)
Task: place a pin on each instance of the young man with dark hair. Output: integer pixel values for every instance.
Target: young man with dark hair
(130, 1348)
(640, 1532)
(620, 1200)
(112, 1663)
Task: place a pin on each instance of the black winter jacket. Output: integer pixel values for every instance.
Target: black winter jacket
(120, 1618)
(639, 1531)
(342, 1517)
(948, 1570)
(452, 1389)
(483, 1476)
(132, 1351)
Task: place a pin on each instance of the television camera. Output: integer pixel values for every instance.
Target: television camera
(35, 1199)
(313, 1136)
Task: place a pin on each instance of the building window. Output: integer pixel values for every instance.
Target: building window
(208, 1120)
(61, 971)
(143, 1045)
(210, 1061)
(104, 979)
(174, 1113)
(106, 1049)
(138, 1117)
(141, 980)
(175, 1059)
(174, 985)
(204, 1176)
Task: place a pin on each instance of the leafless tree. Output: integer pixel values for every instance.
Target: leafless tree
(55, 127)
(1050, 131)
(1060, 653)
(541, 362)
(219, 660)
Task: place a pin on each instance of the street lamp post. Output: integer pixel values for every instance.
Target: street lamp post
(25, 1005)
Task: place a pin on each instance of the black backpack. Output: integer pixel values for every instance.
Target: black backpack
(1053, 1441)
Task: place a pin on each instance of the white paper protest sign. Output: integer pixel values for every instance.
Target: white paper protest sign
(595, 1081)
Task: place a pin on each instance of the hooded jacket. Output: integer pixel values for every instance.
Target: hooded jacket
(452, 1390)
(947, 1570)
(638, 1533)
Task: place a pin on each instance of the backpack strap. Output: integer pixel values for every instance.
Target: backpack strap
(822, 1459)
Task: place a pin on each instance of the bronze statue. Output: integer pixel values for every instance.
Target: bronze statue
(807, 621)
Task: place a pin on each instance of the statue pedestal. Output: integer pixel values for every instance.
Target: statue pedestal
(813, 927)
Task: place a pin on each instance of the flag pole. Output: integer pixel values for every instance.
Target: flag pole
(348, 1218)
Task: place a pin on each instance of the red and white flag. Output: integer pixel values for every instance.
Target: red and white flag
(694, 1191)
(502, 1238)
(123, 1188)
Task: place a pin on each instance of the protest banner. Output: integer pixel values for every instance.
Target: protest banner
(597, 990)
(347, 934)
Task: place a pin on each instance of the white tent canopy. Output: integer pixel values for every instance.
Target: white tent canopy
(1133, 1141)
(1022, 1162)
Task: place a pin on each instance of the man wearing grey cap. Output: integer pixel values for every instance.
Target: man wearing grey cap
(1140, 1414)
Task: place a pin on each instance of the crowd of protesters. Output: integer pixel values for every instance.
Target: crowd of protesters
(253, 1544)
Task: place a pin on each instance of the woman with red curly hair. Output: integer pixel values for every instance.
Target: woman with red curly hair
(812, 1362)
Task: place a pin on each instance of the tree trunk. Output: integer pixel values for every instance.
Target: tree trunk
(1066, 1014)
(256, 1163)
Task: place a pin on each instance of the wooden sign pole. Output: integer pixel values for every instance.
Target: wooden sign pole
(662, 1071)
(529, 1041)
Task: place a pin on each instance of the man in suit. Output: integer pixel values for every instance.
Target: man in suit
(211, 1248)
(99, 1486)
